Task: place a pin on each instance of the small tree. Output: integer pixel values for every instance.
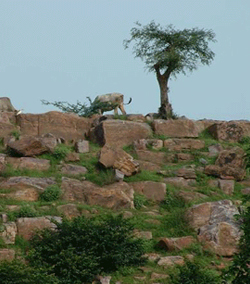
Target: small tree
(168, 52)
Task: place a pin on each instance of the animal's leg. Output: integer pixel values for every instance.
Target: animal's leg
(121, 107)
(116, 110)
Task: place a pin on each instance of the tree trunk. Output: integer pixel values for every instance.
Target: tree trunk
(165, 110)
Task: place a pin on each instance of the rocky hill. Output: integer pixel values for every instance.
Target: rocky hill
(181, 182)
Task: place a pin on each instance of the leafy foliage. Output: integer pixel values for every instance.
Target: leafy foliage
(140, 200)
(51, 193)
(85, 247)
(81, 109)
(61, 151)
(172, 50)
(239, 272)
(16, 272)
(193, 273)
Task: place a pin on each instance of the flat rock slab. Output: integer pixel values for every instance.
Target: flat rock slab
(183, 144)
(182, 128)
(8, 232)
(26, 188)
(171, 261)
(155, 191)
(74, 170)
(114, 196)
(119, 133)
(62, 125)
(28, 163)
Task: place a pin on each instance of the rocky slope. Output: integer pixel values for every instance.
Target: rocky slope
(181, 182)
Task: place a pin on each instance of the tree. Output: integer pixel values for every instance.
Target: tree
(239, 271)
(168, 52)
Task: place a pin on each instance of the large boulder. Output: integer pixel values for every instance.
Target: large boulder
(226, 131)
(158, 158)
(180, 128)
(25, 188)
(6, 105)
(119, 132)
(155, 191)
(28, 163)
(28, 146)
(216, 226)
(230, 163)
(27, 227)
(114, 196)
(176, 244)
(68, 126)
(118, 159)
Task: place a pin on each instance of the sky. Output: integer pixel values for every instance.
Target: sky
(68, 50)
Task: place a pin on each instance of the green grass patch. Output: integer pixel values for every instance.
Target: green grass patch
(144, 176)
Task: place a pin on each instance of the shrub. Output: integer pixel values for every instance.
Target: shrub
(85, 247)
(193, 273)
(61, 151)
(239, 271)
(51, 193)
(16, 272)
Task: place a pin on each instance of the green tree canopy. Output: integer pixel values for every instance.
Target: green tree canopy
(168, 51)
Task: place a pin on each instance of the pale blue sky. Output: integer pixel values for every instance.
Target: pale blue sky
(66, 50)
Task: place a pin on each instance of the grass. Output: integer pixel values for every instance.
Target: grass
(144, 176)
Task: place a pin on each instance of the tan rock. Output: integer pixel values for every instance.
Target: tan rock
(158, 276)
(62, 125)
(69, 210)
(182, 157)
(26, 227)
(82, 146)
(155, 191)
(189, 196)
(226, 131)
(175, 128)
(216, 225)
(176, 244)
(171, 261)
(26, 188)
(28, 146)
(28, 163)
(7, 254)
(158, 158)
(148, 166)
(183, 144)
(118, 159)
(8, 234)
(115, 196)
(72, 157)
(147, 235)
(227, 186)
(74, 170)
(119, 133)
(180, 182)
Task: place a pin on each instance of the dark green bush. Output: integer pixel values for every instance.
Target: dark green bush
(194, 273)
(85, 247)
(16, 272)
(51, 193)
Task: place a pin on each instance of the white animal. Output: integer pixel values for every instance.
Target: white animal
(114, 101)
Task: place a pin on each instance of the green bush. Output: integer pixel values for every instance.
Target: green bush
(61, 151)
(51, 193)
(239, 271)
(194, 273)
(16, 272)
(85, 247)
